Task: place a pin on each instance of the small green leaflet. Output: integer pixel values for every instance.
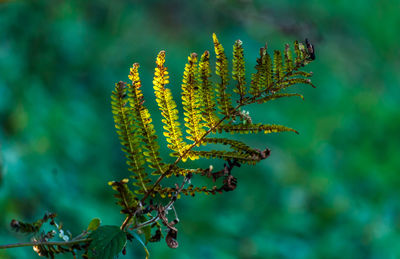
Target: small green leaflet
(94, 224)
(107, 242)
(145, 230)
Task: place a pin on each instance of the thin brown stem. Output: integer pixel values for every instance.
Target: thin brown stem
(126, 221)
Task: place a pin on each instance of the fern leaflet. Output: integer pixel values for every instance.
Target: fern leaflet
(207, 96)
(143, 120)
(167, 106)
(129, 136)
(191, 100)
(254, 128)
(238, 70)
(223, 98)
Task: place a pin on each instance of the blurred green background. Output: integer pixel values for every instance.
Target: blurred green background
(330, 192)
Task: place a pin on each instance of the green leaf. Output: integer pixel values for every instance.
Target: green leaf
(107, 242)
(94, 224)
(137, 237)
(126, 198)
(145, 230)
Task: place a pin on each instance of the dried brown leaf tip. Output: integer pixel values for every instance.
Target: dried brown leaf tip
(171, 238)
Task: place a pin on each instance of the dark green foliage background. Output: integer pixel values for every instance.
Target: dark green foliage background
(331, 192)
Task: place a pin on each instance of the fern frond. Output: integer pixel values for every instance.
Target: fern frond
(255, 77)
(285, 72)
(238, 70)
(186, 171)
(290, 81)
(288, 60)
(234, 144)
(302, 54)
(165, 192)
(298, 52)
(125, 197)
(167, 107)
(272, 75)
(262, 79)
(35, 227)
(254, 128)
(189, 191)
(207, 95)
(278, 68)
(223, 98)
(277, 96)
(128, 135)
(293, 81)
(226, 155)
(145, 127)
(191, 100)
(302, 73)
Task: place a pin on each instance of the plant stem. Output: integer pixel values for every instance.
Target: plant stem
(57, 243)
(126, 221)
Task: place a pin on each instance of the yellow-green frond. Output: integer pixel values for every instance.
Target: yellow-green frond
(293, 81)
(274, 73)
(177, 171)
(290, 81)
(226, 155)
(223, 98)
(302, 73)
(238, 70)
(254, 128)
(191, 100)
(207, 94)
(236, 145)
(125, 197)
(277, 96)
(300, 52)
(144, 122)
(190, 191)
(289, 66)
(278, 68)
(128, 135)
(167, 106)
(262, 79)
